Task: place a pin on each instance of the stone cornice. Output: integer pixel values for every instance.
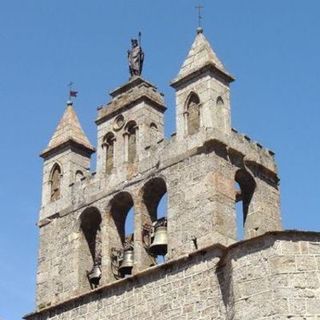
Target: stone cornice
(70, 144)
(179, 81)
(132, 93)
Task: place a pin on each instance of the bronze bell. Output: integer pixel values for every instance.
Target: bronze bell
(126, 263)
(159, 243)
(94, 275)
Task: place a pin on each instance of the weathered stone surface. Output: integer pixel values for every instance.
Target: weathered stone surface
(69, 128)
(205, 168)
(216, 283)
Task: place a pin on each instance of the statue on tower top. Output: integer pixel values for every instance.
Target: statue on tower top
(135, 57)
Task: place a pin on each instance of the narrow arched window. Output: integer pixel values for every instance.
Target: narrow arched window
(55, 183)
(193, 113)
(132, 141)
(109, 149)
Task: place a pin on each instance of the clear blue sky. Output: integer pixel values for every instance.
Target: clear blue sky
(271, 47)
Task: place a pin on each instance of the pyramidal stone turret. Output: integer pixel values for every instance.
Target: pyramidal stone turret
(66, 160)
(202, 80)
(69, 130)
(201, 56)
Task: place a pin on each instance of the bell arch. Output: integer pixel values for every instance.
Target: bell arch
(119, 207)
(245, 188)
(152, 193)
(90, 246)
(55, 182)
(154, 217)
(192, 111)
(121, 231)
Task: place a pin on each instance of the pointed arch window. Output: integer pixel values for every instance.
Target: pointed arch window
(193, 113)
(55, 183)
(220, 101)
(109, 140)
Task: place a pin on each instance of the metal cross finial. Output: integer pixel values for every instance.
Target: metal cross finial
(199, 7)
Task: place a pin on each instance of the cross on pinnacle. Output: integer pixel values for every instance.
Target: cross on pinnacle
(199, 8)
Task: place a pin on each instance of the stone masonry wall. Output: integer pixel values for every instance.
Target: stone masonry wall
(274, 276)
(199, 176)
(186, 290)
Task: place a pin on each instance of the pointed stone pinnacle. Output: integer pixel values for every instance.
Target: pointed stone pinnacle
(69, 129)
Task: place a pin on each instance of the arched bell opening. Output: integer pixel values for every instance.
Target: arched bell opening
(90, 253)
(155, 218)
(121, 234)
(245, 186)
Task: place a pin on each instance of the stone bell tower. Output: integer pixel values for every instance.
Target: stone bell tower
(89, 268)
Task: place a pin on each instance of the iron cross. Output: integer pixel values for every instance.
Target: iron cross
(199, 7)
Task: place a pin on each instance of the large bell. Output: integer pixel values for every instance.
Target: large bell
(126, 263)
(94, 275)
(159, 243)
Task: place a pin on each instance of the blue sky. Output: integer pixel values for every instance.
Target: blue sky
(271, 47)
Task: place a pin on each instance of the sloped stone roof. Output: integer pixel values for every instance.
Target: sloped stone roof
(200, 55)
(69, 129)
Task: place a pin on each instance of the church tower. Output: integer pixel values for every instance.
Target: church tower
(65, 168)
(202, 91)
(66, 161)
(182, 260)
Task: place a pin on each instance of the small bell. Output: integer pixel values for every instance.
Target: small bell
(159, 245)
(94, 275)
(126, 263)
